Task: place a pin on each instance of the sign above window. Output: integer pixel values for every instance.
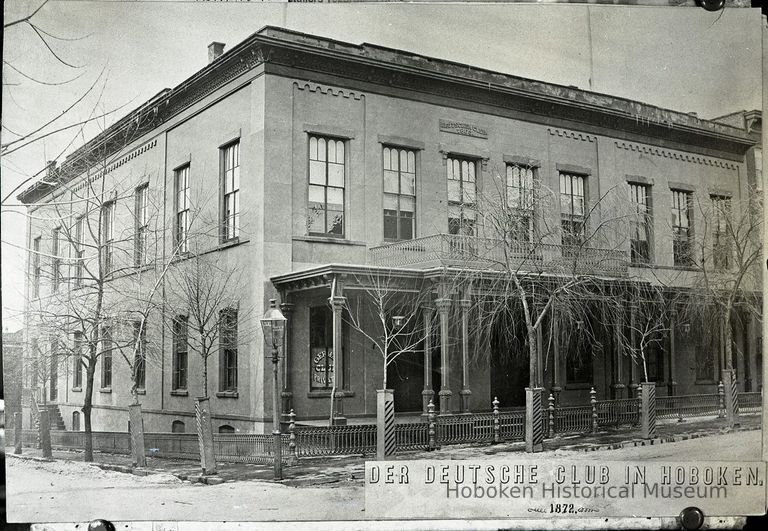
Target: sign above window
(462, 128)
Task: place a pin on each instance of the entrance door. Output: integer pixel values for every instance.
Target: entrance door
(509, 360)
(405, 375)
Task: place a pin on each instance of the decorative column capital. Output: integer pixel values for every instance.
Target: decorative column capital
(465, 304)
(287, 308)
(337, 302)
(427, 311)
(443, 305)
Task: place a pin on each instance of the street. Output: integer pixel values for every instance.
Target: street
(76, 491)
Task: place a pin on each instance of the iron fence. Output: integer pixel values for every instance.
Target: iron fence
(750, 403)
(573, 419)
(335, 440)
(248, 447)
(412, 436)
(682, 406)
(620, 412)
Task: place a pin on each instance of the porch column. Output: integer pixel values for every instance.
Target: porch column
(428, 394)
(618, 369)
(443, 307)
(633, 377)
(672, 352)
(539, 358)
(465, 392)
(556, 388)
(287, 395)
(752, 332)
(338, 303)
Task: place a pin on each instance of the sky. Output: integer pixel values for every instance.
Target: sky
(684, 59)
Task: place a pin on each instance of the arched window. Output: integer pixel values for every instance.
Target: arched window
(226, 428)
(177, 427)
(75, 421)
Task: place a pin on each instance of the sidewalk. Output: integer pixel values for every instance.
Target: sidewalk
(340, 470)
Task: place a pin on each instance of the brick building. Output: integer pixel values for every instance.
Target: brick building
(320, 161)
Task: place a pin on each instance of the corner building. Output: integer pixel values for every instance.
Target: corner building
(324, 160)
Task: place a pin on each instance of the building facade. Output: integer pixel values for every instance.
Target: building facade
(308, 164)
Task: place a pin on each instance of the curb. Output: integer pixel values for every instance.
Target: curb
(660, 440)
(30, 458)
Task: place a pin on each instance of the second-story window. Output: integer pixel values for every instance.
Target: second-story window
(461, 195)
(142, 225)
(77, 361)
(399, 193)
(682, 227)
(180, 350)
(181, 230)
(55, 259)
(106, 358)
(325, 215)
(572, 209)
(36, 267)
(640, 223)
(721, 244)
(231, 175)
(108, 235)
(78, 252)
(520, 202)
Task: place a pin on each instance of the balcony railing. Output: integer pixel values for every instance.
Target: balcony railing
(475, 252)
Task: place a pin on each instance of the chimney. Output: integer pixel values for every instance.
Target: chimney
(215, 49)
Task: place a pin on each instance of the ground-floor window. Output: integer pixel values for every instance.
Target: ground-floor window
(226, 428)
(321, 347)
(75, 421)
(177, 427)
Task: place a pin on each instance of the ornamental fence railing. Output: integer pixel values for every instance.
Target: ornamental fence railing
(433, 431)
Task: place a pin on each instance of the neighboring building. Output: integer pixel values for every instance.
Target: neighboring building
(325, 160)
(13, 349)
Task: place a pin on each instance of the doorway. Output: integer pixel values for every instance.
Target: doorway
(509, 359)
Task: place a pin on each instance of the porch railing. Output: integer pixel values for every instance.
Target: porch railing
(464, 250)
(750, 403)
(620, 412)
(335, 440)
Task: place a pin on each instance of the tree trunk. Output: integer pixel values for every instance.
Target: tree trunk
(87, 406)
(205, 376)
(532, 357)
(728, 338)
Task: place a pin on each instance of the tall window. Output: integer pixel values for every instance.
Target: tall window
(399, 193)
(142, 225)
(231, 174)
(77, 360)
(56, 259)
(321, 347)
(53, 366)
(106, 357)
(180, 350)
(520, 202)
(640, 224)
(36, 267)
(326, 186)
(572, 209)
(461, 195)
(721, 246)
(181, 239)
(682, 230)
(108, 234)
(79, 252)
(140, 359)
(228, 349)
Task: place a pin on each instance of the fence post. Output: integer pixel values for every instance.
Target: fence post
(136, 427)
(551, 415)
(731, 397)
(721, 399)
(648, 421)
(17, 433)
(496, 427)
(205, 435)
(593, 401)
(45, 434)
(292, 457)
(431, 419)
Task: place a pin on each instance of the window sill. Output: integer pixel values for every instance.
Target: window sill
(327, 394)
(227, 394)
(231, 243)
(328, 239)
(77, 389)
(105, 390)
(179, 392)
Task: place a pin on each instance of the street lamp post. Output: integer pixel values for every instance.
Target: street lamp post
(273, 327)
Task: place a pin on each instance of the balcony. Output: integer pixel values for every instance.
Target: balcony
(473, 252)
